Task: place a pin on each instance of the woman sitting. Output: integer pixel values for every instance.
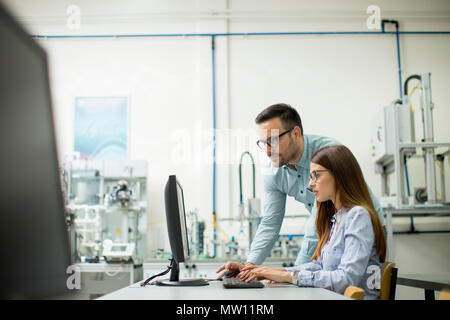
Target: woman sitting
(352, 242)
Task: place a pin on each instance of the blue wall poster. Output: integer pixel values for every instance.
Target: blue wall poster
(101, 128)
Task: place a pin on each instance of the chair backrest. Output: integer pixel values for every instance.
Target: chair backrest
(354, 292)
(444, 294)
(388, 281)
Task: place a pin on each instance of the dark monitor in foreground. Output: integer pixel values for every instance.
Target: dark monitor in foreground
(178, 237)
(34, 246)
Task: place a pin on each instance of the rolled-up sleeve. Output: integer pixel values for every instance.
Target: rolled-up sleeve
(269, 228)
(359, 239)
(306, 272)
(310, 239)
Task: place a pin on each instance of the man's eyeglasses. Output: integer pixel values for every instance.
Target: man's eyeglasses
(314, 176)
(272, 141)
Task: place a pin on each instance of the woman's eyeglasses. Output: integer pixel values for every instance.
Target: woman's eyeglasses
(314, 176)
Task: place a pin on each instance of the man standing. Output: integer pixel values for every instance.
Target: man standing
(281, 136)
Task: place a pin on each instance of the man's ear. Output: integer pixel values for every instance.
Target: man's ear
(297, 131)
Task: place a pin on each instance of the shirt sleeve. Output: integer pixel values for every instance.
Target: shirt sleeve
(313, 265)
(310, 239)
(269, 228)
(359, 239)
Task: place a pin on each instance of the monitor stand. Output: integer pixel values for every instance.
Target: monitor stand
(175, 281)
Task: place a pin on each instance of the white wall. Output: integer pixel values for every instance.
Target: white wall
(337, 83)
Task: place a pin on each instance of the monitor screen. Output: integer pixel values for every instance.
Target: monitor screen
(184, 233)
(34, 242)
(178, 235)
(176, 220)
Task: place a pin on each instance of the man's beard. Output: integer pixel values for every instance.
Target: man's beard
(279, 161)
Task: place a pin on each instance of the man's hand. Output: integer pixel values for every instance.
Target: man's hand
(230, 266)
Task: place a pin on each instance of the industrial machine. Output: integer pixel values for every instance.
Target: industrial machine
(107, 205)
(395, 142)
(248, 222)
(118, 252)
(254, 204)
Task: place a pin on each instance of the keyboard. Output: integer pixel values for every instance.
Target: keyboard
(237, 283)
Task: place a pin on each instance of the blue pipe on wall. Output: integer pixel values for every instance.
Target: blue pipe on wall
(419, 232)
(409, 194)
(399, 64)
(395, 22)
(213, 67)
(239, 34)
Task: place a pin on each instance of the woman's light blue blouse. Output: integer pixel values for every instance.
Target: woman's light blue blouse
(349, 257)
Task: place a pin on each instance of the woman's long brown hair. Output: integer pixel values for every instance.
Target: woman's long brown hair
(352, 190)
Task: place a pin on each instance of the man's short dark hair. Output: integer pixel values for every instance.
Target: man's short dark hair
(289, 117)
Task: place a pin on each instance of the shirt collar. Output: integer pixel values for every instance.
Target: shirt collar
(305, 158)
(337, 214)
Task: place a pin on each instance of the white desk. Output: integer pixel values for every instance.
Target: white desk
(215, 291)
(111, 269)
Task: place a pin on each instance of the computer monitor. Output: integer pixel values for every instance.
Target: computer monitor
(178, 235)
(34, 246)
